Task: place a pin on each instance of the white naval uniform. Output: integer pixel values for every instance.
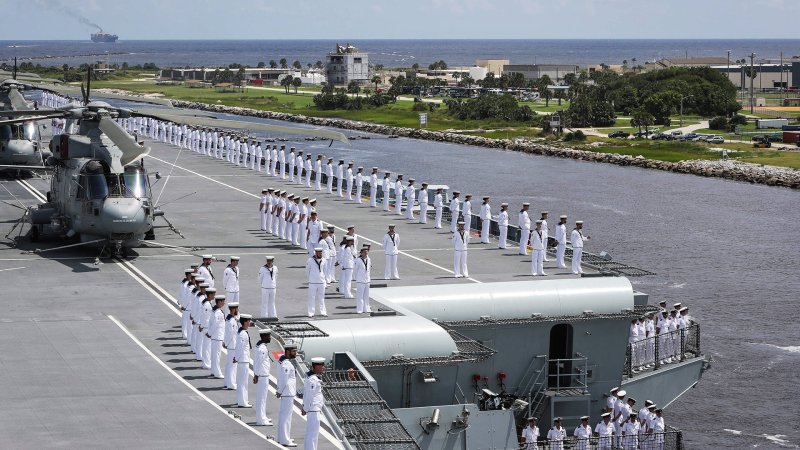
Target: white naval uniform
(340, 179)
(313, 402)
(545, 234)
(577, 250)
(268, 278)
(502, 224)
(230, 339)
(318, 175)
(438, 206)
(314, 227)
(182, 296)
(205, 346)
(530, 437)
(466, 211)
(373, 190)
(630, 441)
(363, 279)
(654, 440)
(216, 328)
(292, 161)
(346, 257)
(329, 258)
(206, 273)
(486, 221)
(524, 223)
(423, 205)
(582, 436)
(411, 195)
(261, 364)
(315, 274)
(391, 247)
(561, 238)
(537, 258)
(455, 210)
(243, 362)
(385, 192)
(230, 279)
(460, 246)
(359, 187)
(262, 212)
(605, 432)
(302, 224)
(398, 197)
(286, 391)
(329, 173)
(282, 160)
(555, 437)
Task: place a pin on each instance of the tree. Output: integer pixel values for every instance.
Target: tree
(272, 64)
(319, 64)
(239, 78)
(284, 64)
(570, 79)
(633, 63)
(286, 82)
(415, 66)
(296, 82)
(624, 63)
(353, 88)
(456, 76)
(261, 65)
(376, 80)
(467, 80)
(641, 118)
(297, 65)
(542, 84)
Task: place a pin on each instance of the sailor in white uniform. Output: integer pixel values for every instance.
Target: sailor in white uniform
(291, 161)
(315, 274)
(530, 435)
(313, 402)
(391, 247)
(216, 330)
(347, 256)
(359, 184)
(327, 242)
(309, 169)
(242, 359)
(205, 316)
(537, 257)
(466, 212)
(229, 343)
(340, 178)
(286, 391)
(261, 364)
(502, 225)
(398, 195)
(545, 232)
(524, 222)
(583, 433)
(363, 269)
(205, 270)
(630, 433)
(268, 278)
(318, 173)
(605, 432)
(329, 174)
(577, 239)
(561, 238)
(313, 229)
(655, 431)
(411, 198)
(556, 435)
(460, 247)
(182, 297)
(262, 209)
(230, 279)
(438, 207)
(423, 203)
(275, 160)
(486, 219)
(300, 164)
(373, 188)
(282, 161)
(455, 211)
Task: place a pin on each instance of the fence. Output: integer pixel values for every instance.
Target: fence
(653, 352)
(671, 439)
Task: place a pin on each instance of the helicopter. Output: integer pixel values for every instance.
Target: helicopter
(100, 192)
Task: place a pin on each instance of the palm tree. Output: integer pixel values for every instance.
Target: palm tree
(286, 82)
(283, 63)
(272, 64)
(296, 82)
(297, 65)
(353, 88)
(376, 80)
(633, 63)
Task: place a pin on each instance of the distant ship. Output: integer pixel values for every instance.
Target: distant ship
(104, 37)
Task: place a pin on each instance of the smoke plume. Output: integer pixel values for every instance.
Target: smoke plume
(58, 7)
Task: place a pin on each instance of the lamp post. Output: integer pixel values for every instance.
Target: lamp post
(682, 99)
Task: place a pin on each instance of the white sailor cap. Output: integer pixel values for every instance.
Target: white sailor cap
(557, 419)
(318, 360)
(460, 222)
(267, 330)
(349, 238)
(235, 258)
(653, 406)
(374, 168)
(411, 180)
(621, 393)
(605, 414)
(677, 305)
(486, 198)
(194, 265)
(269, 258)
(208, 256)
(563, 216)
(648, 403)
(188, 271)
(288, 345)
(349, 227)
(545, 212)
(312, 200)
(538, 222)
(532, 419)
(391, 225)
(331, 227)
(468, 195)
(290, 196)
(360, 167)
(233, 305)
(504, 205)
(203, 285)
(263, 190)
(220, 297)
(304, 199)
(526, 204)
(456, 192)
(210, 290)
(662, 302)
(198, 278)
(683, 309)
(578, 222)
(614, 389)
(317, 249)
(245, 316)
(584, 417)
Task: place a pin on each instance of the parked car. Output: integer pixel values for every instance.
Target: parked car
(715, 140)
(643, 134)
(619, 134)
(661, 137)
(677, 134)
(689, 136)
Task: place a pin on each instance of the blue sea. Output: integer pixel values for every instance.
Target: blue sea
(389, 52)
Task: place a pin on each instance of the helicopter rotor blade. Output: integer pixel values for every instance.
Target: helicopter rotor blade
(131, 150)
(28, 118)
(17, 100)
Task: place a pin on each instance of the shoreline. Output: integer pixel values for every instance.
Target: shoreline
(730, 169)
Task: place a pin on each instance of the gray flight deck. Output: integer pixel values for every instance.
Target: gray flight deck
(73, 373)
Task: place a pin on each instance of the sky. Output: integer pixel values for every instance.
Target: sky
(406, 19)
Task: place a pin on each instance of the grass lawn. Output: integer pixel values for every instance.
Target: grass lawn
(509, 133)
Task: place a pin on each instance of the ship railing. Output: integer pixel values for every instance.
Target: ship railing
(670, 439)
(569, 375)
(653, 353)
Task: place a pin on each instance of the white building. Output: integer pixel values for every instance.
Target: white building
(347, 64)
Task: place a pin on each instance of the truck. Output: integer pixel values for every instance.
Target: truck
(771, 123)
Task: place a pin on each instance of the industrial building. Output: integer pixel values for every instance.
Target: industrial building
(768, 76)
(347, 64)
(556, 72)
(255, 76)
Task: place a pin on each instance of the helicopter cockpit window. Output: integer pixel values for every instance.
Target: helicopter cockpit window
(5, 132)
(28, 131)
(135, 183)
(97, 186)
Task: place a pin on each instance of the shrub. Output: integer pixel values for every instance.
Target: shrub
(718, 123)
(738, 119)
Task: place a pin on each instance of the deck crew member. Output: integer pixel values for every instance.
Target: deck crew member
(282, 160)
(182, 296)
(275, 160)
(545, 232)
(315, 274)
(229, 343)
(205, 317)
(398, 195)
(363, 268)
(347, 256)
(313, 229)
(530, 435)
(329, 174)
(262, 209)
(655, 431)
(524, 222)
(630, 433)
(280, 213)
(205, 270)
(268, 278)
(318, 173)
(260, 153)
(583, 433)
(300, 165)
(391, 246)
(604, 431)
(359, 184)
(292, 161)
(328, 243)
(309, 169)
(230, 279)
(411, 197)
(556, 435)
(460, 246)
(423, 203)
(385, 187)
(242, 359)
(373, 188)
(611, 399)
(633, 344)
(286, 391)
(348, 180)
(561, 238)
(486, 220)
(313, 401)
(438, 207)
(466, 212)
(261, 365)
(303, 222)
(618, 413)
(502, 224)
(455, 211)
(340, 177)
(216, 331)
(644, 413)
(296, 216)
(537, 257)
(274, 220)
(577, 239)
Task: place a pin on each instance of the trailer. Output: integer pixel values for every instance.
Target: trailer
(771, 123)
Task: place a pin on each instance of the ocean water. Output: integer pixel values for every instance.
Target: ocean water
(390, 53)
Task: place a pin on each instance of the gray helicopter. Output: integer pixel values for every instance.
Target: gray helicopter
(100, 192)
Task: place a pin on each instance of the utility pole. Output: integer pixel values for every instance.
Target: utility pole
(728, 72)
(782, 90)
(682, 99)
(752, 68)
